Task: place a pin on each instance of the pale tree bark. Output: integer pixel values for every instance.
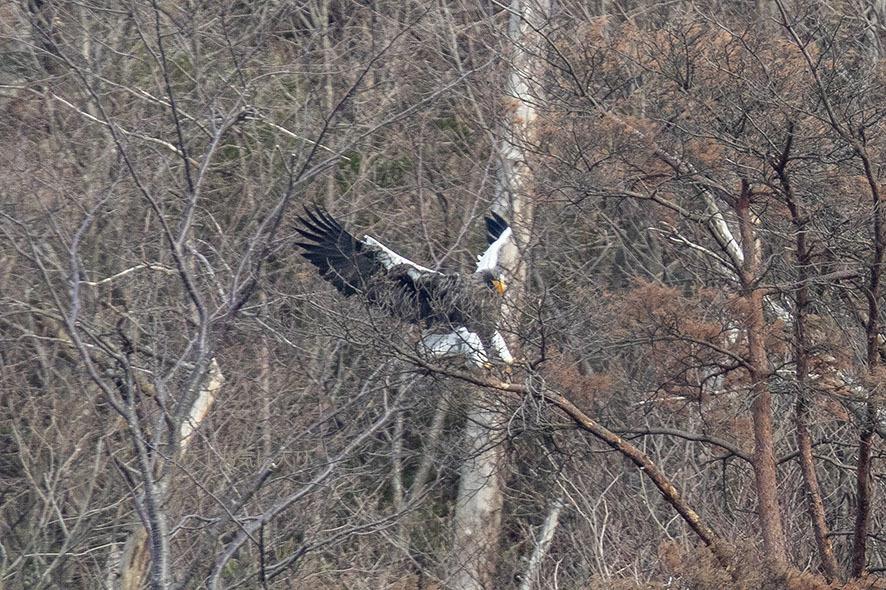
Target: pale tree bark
(513, 194)
(546, 535)
(478, 506)
(136, 555)
(480, 496)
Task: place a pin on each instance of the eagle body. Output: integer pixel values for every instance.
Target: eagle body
(459, 312)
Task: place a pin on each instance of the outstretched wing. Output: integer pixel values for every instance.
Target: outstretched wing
(391, 259)
(501, 245)
(341, 259)
(381, 275)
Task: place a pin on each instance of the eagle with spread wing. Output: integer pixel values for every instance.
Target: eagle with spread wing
(459, 312)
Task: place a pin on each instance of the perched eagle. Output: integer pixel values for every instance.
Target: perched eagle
(459, 313)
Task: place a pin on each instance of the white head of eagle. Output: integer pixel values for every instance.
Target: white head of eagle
(460, 313)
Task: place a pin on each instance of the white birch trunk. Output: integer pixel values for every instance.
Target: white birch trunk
(478, 509)
(531, 579)
(135, 559)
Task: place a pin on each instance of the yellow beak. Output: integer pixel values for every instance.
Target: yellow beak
(499, 286)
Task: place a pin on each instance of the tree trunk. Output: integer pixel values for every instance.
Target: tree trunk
(541, 546)
(136, 557)
(478, 510)
(478, 507)
(814, 502)
(863, 494)
(864, 491)
(134, 560)
(763, 458)
(855, 137)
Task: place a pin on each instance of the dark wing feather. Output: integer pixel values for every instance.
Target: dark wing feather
(495, 225)
(340, 258)
(383, 277)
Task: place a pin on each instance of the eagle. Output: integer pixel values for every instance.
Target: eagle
(459, 313)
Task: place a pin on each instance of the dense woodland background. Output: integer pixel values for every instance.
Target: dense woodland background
(704, 239)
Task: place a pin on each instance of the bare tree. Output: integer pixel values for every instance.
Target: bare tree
(697, 309)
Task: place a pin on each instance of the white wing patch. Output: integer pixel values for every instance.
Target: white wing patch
(390, 259)
(461, 343)
(489, 259)
(464, 343)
